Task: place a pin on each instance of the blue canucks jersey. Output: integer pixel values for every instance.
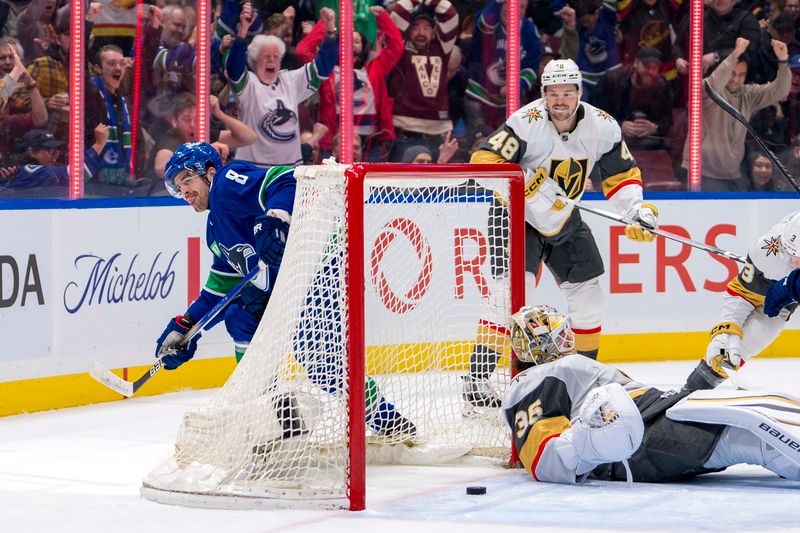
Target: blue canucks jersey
(240, 192)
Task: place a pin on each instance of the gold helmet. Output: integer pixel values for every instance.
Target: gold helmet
(540, 334)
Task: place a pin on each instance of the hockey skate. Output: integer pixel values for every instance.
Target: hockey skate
(275, 457)
(478, 394)
(397, 430)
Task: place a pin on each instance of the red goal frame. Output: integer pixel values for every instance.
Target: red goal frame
(356, 176)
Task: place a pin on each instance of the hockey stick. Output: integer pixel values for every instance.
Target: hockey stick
(732, 111)
(665, 234)
(129, 388)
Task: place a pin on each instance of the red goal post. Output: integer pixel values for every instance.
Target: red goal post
(359, 174)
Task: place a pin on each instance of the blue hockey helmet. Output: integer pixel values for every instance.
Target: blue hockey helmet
(193, 156)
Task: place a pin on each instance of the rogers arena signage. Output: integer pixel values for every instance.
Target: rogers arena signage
(99, 284)
(680, 287)
(404, 229)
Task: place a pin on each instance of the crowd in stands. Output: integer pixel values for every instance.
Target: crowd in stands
(429, 84)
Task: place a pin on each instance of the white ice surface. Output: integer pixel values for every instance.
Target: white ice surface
(79, 470)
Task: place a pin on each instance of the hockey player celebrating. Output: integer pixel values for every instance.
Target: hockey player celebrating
(573, 417)
(748, 323)
(558, 140)
(250, 210)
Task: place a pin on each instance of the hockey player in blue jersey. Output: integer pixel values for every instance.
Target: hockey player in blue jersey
(249, 214)
(250, 210)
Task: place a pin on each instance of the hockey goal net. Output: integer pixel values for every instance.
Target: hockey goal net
(391, 275)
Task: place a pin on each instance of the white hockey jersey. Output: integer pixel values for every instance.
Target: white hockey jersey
(271, 111)
(530, 139)
(767, 262)
(539, 404)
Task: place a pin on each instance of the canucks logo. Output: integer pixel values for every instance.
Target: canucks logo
(279, 124)
(237, 256)
(533, 114)
(570, 175)
(772, 246)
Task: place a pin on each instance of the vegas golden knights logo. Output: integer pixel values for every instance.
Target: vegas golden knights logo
(570, 174)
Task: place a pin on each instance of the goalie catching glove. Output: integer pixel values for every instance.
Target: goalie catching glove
(642, 217)
(724, 352)
(608, 428)
(170, 345)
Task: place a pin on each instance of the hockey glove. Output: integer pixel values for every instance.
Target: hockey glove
(608, 428)
(270, 234)
(782, 293)
(724, 352)
(533, 180)
(642, 218)
(170, 343)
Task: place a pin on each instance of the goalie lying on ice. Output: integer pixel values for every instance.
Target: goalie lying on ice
(573, 417)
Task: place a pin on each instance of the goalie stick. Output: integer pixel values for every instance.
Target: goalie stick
(732, 111)
(129, 388)
(671, 236)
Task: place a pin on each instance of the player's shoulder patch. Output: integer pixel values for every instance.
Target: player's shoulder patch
(767, 256)
(771, 244)
(604, 115)
(597, 115)
(601, 124)
(533, 114)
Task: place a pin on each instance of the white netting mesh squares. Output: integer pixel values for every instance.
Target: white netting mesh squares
(435, 261)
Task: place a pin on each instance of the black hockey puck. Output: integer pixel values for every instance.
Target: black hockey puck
(476, 490)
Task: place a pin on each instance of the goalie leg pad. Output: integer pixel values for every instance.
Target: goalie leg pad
(738, 445)
(772, 417)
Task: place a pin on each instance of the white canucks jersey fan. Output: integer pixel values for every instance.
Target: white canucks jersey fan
(559, 140)
(574, 418)
(748, 324)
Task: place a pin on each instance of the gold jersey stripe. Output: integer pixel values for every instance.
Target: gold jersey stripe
(587, 341)
(638, 392)
(485, 156)
(736, 288)
(612, 183)
(538, 436)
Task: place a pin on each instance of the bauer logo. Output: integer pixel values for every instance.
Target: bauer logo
(408, 286)
(782, 437)
(115, 280)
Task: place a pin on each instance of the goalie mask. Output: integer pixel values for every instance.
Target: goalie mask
(541, 334)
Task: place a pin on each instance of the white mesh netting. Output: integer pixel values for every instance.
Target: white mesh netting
(278, 428)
